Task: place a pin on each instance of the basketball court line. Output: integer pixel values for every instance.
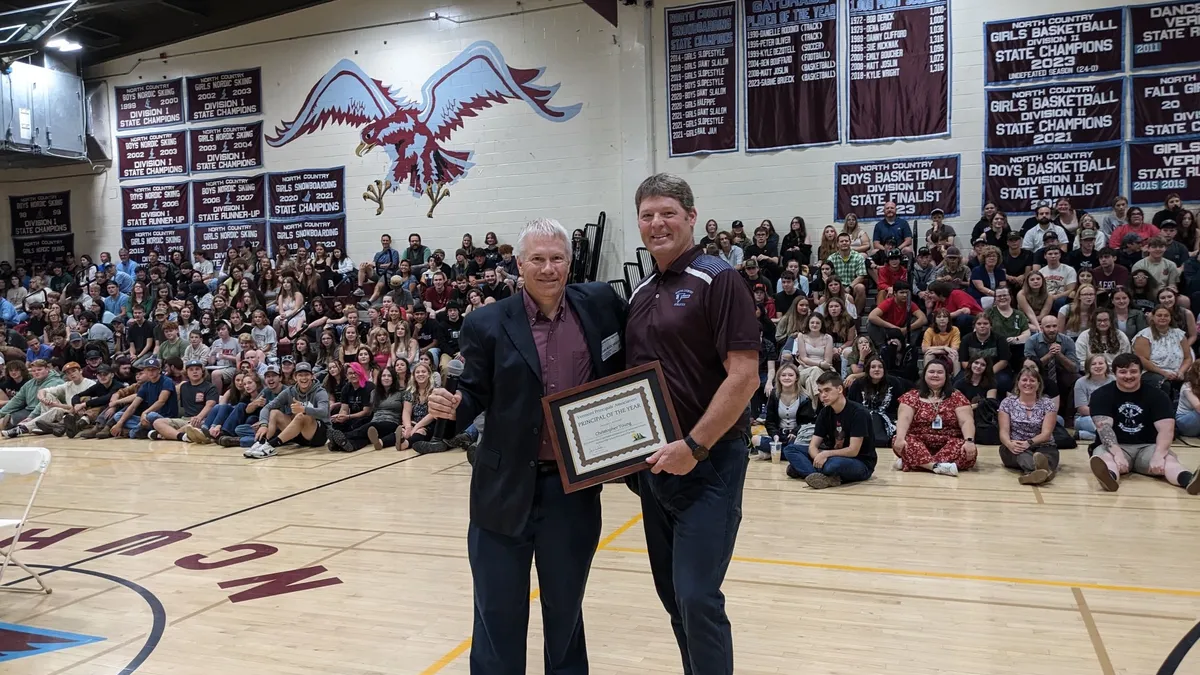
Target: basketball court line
(1093, 632)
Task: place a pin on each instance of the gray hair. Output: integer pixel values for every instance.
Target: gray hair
(665, 185)
(544, 227)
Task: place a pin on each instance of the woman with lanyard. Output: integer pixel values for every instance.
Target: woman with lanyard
(936, 428)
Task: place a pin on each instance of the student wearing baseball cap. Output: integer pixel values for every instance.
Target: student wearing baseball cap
(155, 396)
(197, 396)
(299, 414)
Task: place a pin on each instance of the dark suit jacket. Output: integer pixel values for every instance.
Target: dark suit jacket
(503, 379)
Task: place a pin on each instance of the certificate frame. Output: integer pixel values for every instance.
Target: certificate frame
(572, 419)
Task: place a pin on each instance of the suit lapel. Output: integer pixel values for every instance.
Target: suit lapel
(591, 332)
(516, 324)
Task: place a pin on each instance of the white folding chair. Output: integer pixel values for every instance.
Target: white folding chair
(22, 462)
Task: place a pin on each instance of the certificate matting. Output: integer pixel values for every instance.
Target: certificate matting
(607, 428)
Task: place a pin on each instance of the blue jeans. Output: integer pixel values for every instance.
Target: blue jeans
(849, 469)
(1086, 428)
(235, 419)
(216, 416)
(246, 433)
(1186, 424)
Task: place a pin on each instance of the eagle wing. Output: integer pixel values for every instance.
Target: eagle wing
(346, 95)
(475, 80)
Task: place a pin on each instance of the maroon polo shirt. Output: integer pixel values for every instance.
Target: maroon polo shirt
(563, 354)
(689, 317)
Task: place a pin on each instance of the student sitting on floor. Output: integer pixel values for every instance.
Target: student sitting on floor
(841, 449)
(197, 396)
(299, 414)
(783, 410)
(1187, 413)
(1096, 375)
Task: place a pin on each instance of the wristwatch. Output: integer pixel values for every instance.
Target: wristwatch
(699, 452)
(968, 440)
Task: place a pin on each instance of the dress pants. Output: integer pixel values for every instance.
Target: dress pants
(560, 537)
(691, 525)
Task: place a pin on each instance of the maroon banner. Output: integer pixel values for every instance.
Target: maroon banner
(155, 205)
(1166, 105)
(164, 240)
(152, 155)
(899, 69)
(329, 232)
(1055, 114)
(43, 249)
(917, 185)
(1055, 45)
(1018, 182)
(153, 104)
(1166, 34)
(233, 94)
(1158, 169)
(307, 193)
(791, 73)
(227, 199)
(215, 240)
(702, 78)
(40, 215)
(232, 147)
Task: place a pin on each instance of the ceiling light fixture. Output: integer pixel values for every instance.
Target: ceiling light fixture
(64, 45)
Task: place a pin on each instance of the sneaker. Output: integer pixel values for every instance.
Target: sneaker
(793, 473)
(71, 425)
(338, 441)
(249, 452)
(1100, 470)
(1193, 486)
(260, 451)
(1041, 462)
(44, 427)
(194, 435)
(11, 433)
(141, 434)
(155, 436)
(819, 481)
(898, 465)
(764, 456)
(945, 469)
(373, 436)
(358, 293)
(1035, 477)
(229, 441)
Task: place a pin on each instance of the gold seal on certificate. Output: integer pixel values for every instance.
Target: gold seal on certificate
(607, 428)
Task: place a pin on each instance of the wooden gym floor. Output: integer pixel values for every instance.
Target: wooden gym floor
(906, 574)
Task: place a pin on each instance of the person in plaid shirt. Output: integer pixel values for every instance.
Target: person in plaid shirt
(851, 267)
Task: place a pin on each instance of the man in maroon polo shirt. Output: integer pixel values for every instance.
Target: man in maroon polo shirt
(695, 315)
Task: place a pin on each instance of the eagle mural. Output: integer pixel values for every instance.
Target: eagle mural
(412, 133)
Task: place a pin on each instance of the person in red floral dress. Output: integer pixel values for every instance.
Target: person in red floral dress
(936, 428)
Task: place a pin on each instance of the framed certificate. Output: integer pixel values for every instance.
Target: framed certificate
(607, 428)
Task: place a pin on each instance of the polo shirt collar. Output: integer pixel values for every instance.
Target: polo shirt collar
(681, 263)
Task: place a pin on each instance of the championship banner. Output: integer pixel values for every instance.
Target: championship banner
(791, 73)
(44, 249)
(155, 205)
(1166, 34)
(307, 193)
(917, 186)
(329, 232)
(153, 104)
(1158, 169)
(164, 240)
(215, 240)
(40, 215)
(236, 93)
(899, 69)
(152, 155)
(1055, 45)
(1018, 182)
(1167, 105)
(1055, 114)
(702, 78)
(232, 147)
(221, 200)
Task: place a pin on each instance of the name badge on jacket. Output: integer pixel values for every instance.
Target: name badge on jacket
(609, 346)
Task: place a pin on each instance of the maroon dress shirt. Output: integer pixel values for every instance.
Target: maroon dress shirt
(563, 354)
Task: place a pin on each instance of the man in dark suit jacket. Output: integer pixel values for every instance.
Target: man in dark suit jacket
(548, 338)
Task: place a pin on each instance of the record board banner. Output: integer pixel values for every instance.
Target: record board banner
(215, 240)
(1018, 182)
(916, 185)
(899, 69)
(236, 93)
(155, 205)
(44, 249)
(329, 232)
(40, 215)
(1166, 105)
(308, 193)
(232, 147)
(1166, 34)
(1055, 45)
(1158, 169)
(702, 78)
(791, 73)
(163, 240)
(1055, 114)
(227, 199)
(153, 104)
(152, 155)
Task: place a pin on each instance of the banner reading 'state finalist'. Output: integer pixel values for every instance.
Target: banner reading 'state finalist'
(899, 69)
(155, 205)
(153, 104)
(232, 147)
(163, 240)
(307, 193)
(791, 73)
(1018, 182)
(215, 239)
(44, 249)
(917, 186)
(1055, 114)
(1055, 45)
(40, 215)
(226, 199)
(222, 95)
(702, 78)
(1167, 105)
(329, 232)
(152, 155)
(1158, 169)
(1166, 34)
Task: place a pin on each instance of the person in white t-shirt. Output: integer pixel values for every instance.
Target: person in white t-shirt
(1060, 279)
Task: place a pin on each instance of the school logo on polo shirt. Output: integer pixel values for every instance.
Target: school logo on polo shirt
(681, 297)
